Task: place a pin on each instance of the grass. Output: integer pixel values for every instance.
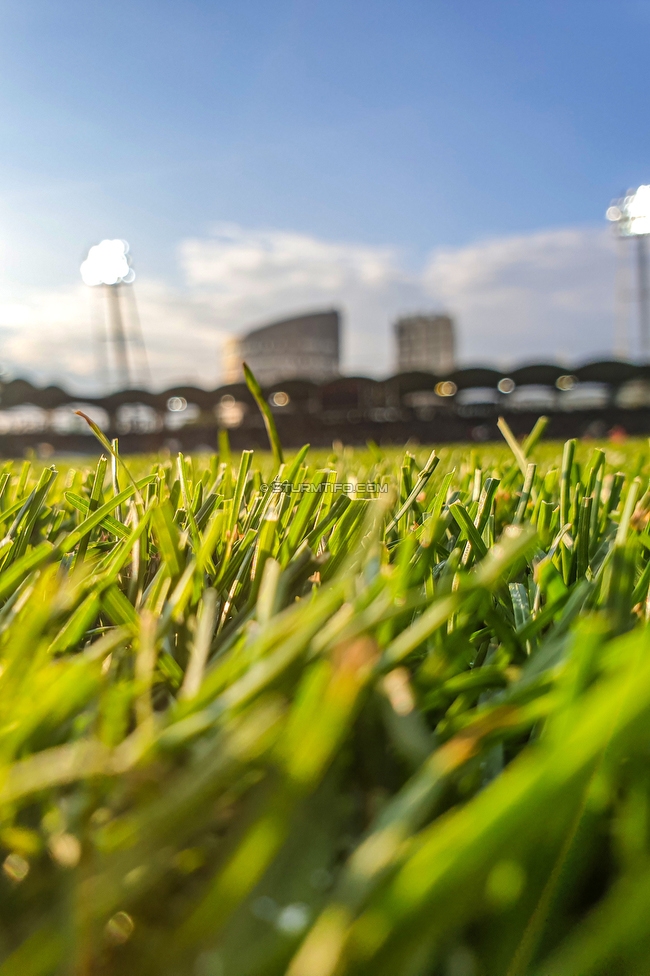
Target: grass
(327, 732)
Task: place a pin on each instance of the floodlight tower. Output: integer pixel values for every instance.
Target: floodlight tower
(108, 265)
(631, 218)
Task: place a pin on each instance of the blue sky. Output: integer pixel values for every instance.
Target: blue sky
(418, 129)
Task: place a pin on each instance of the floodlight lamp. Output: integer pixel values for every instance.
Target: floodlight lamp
(108, 263)
(632, 214)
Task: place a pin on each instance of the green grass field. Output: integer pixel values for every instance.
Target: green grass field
(393, 722)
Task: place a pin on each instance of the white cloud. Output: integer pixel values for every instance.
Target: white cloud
(547, 295)
(250, 277)
(543, 295)
(272, 262)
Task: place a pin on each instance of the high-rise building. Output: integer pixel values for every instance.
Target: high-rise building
(305, 347)
(425, 343)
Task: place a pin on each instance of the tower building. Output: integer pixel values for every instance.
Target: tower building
(425, 343)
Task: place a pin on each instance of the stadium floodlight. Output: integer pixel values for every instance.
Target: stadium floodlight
(631, 214)
(631, 218)
(108, 264)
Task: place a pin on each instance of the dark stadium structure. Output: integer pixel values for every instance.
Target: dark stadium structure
(591, 400)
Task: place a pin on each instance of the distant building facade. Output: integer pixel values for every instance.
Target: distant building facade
(425, 343)
(231, 360)
(305, 347)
